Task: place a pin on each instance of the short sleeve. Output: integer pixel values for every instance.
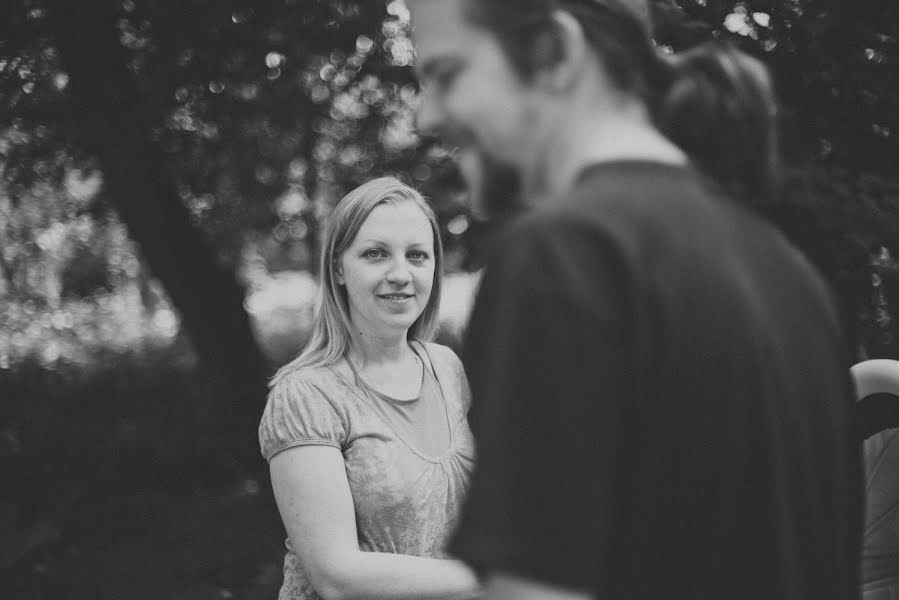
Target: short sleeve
(298, 413)
(453, 364)
(549, 359)
(459, 369)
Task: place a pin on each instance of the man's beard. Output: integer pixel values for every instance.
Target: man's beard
(495, 187)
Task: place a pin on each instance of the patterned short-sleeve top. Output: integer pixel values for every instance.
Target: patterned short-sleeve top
(406, 501)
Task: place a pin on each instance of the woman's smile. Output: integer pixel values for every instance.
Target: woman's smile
(396, 298)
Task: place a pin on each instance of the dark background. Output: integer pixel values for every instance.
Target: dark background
(166, 169)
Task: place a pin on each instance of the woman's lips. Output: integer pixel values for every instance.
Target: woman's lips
(395, 297)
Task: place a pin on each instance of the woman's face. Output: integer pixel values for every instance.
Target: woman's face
(388, 270)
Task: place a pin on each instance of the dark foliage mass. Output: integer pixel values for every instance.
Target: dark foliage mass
(160, 158)
(834, 67)
(215, 130)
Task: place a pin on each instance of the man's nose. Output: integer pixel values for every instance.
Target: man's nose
(428, 114)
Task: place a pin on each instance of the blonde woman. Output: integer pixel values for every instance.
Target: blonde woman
(366, 431)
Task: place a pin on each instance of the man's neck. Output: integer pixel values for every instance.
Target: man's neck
(585, 138)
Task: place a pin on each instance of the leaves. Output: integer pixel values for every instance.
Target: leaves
(266, 112)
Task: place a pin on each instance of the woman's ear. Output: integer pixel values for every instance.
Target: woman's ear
(560, 53)
(338, 273)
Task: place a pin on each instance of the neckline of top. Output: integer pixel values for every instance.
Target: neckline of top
(452, 418)
(361, 382)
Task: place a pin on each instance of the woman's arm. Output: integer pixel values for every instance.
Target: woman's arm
(314, 499)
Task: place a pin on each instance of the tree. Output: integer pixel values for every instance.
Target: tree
(834, 69)
(222, 126)
(209, 122)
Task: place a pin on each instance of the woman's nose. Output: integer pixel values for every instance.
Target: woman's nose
(399, 272)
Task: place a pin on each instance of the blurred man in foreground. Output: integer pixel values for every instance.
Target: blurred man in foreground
(661, 401)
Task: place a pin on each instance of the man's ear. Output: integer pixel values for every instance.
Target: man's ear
(560, 53)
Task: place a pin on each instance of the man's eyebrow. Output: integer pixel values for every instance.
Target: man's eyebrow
(426, 68)
(430, 65)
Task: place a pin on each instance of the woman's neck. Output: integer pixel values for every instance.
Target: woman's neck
(368, 349)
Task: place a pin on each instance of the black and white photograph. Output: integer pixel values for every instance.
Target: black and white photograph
(449, 300)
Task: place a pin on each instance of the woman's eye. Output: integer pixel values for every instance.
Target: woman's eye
(373, 253)
(418, 255)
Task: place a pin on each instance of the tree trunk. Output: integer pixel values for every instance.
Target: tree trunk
(114, 123)
(310, 187)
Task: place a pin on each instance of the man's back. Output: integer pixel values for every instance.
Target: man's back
(670, 410)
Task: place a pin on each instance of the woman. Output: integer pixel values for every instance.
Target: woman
(366, 432)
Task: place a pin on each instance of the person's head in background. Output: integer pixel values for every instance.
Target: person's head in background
(533, 91)
(380, 275)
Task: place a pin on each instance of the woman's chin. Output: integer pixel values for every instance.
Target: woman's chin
(401, 323)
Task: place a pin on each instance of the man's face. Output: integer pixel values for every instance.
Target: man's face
(474, 100)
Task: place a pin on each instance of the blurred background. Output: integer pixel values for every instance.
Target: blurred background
(165, 170)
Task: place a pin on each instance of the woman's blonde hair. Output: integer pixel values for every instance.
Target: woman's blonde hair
(330, 337)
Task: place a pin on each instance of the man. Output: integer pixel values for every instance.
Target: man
(661, 402)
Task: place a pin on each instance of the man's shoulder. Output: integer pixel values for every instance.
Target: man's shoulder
(537, 238)
(605, 216)
(617, 190)
(554, 223)
(637, 190)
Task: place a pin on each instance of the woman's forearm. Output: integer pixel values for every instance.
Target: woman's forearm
(379, 575)
(316, 505)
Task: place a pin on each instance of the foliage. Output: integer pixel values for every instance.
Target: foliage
(834, 67)
(263, 114)
(256, 117)
(266, 112)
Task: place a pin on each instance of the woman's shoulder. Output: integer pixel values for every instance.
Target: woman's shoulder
(323, 378)
(445, 361)
(303, 407)
(450, 373)
(445, 355)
